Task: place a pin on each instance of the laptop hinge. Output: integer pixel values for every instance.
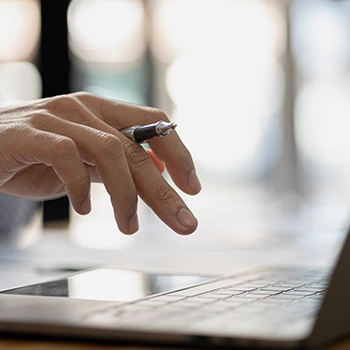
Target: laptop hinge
(333, 320)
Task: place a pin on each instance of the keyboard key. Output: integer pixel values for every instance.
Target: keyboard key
(224, 304)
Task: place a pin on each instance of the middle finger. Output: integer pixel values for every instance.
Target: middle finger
(106, 151)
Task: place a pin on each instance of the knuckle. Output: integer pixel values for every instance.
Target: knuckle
(82, 95)
(64, 147)
(60, 102)
(109, 143)
(136, 155)
(81, 181)
(129, 197)
(155, 114)
(69, 107)
(41, 118)
(80, 184)
(10, 151)
(165, 195)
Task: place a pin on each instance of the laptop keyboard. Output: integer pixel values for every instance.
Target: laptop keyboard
(268, 298)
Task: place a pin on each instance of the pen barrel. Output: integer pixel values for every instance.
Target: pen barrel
(144, 133)
(141, 134)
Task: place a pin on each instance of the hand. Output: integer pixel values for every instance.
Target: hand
(59, 145)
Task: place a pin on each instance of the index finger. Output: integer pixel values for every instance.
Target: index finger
(169, 149)
(178, 161)
(173, 152)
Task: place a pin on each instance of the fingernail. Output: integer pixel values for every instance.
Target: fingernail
(187, 220)
(86, 206)
(133, 224)
(194, 182)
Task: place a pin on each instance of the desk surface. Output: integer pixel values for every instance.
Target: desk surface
(48, 345)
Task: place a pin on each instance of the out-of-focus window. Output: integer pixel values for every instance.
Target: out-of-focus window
(108, 43)
(19, 29)
(321, 47)
(219, 75)
(20, 80)
(19, 41)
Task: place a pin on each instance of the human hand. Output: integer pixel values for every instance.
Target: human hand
(59, 145)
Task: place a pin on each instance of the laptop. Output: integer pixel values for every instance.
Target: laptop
(274, 308)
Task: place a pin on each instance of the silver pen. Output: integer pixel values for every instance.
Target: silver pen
(143, 133)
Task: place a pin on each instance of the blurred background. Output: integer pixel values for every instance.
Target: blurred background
(260, 90)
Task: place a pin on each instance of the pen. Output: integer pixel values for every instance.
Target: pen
(143, 133)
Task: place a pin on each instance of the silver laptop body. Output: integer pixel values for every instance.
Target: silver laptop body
(264, 308)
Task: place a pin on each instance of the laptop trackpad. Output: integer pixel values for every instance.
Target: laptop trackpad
(110, 284)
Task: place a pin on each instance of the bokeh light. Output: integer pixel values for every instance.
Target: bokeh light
(19, 81)
(323, 122)
(19, 29)
(107, 30)
(241, 27)
(222, 74)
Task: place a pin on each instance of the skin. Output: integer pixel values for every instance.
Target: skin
(58, 146)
